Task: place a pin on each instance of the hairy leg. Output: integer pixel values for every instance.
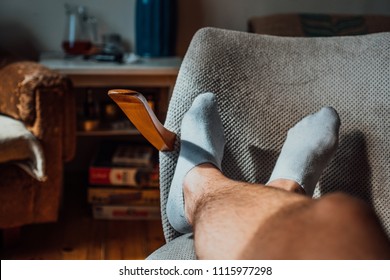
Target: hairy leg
(236, 220)
(202, 141)
(239, 220)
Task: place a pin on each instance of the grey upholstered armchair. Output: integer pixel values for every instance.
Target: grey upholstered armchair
(264, 84)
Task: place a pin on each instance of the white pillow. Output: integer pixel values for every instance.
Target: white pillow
(21, 147)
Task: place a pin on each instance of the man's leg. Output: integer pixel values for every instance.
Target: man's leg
(236, 220)
(240, 220)
(202, 141)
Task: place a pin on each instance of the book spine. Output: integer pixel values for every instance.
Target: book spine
(126, 176)
(120, 212)
(121, 196)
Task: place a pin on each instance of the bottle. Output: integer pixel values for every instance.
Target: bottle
(155, 23)
(91, 112)
(91, 107)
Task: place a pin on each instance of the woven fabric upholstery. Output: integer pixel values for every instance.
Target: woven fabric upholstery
(265, 84)
(180, 248)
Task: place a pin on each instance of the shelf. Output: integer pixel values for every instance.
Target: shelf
(117, 132)
(78, 65)
(153, 77)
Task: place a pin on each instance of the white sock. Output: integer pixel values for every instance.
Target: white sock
(309, 147)
(202, 141)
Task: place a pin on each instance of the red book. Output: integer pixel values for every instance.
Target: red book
(123, 176)
(103, 171)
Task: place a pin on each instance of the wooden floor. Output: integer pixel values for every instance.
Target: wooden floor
(77, 236)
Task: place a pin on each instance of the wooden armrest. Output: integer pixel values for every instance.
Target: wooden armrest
(136, 108)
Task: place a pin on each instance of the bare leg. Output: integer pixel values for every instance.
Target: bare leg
(239, 220)
(236, 220)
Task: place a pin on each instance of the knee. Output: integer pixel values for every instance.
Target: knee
(344, 207)
(354, 222)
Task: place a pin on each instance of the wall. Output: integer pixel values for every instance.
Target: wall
(233, 14)
(43, 21)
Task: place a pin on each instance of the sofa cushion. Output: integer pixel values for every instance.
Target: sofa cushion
(19, 146)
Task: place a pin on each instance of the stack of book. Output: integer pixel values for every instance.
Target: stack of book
(123, 183)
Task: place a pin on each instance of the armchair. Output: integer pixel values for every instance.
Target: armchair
(39, 101)
(265, 84)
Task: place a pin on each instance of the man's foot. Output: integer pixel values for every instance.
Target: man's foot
(309, 147)
(202, 141)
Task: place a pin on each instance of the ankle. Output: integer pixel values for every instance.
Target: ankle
(198, 182)
(202, 140)
(287, 185)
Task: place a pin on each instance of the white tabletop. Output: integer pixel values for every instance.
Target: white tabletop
(80, 66)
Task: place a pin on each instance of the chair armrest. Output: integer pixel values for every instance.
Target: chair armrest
(41, 98)
(136, 108)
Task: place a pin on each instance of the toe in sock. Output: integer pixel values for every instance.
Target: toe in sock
(309, 147)
(202, 141)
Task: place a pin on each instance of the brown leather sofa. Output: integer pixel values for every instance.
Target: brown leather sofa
(42, 100)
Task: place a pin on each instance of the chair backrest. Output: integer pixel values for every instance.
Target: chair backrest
(265, 84)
